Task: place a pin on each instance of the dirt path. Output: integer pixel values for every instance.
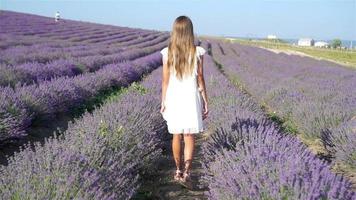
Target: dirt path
(299, 53)
(163, 186)
(36, 133)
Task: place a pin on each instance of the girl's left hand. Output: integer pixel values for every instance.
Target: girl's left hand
(206, 111)
(163, 107)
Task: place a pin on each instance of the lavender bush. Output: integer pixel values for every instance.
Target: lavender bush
(73, 61)
(51, 68)
(100, 156)
(250, 157)
(255, 161)
(14, 117)
(61, 94)
(310, 96)
(341, 141)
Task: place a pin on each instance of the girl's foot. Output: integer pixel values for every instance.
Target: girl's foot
(178, 175)
(186, 176)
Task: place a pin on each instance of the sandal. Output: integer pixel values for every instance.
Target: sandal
(186, 176)
(178, 175)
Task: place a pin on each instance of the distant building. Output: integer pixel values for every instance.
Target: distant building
(57, 17)
(305, 42)
(321, 44)
(271, 37)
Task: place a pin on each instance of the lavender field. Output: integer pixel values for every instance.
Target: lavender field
(314, 100)
(281, 126)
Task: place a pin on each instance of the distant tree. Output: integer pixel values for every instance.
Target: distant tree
(336, 43)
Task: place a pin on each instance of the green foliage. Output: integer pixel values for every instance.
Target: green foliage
(220, 67)
(139, 88)
(336, 43)
(81, 67)
(345, 57)
(144, 195)
(105, 96)
(290, 127)
(102, 97)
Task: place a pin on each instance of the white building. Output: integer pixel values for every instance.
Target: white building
(231, 39)
(305, 42)
(57, 17)
(271, 37)
(321, 44)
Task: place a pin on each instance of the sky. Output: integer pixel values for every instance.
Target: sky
(289, 19)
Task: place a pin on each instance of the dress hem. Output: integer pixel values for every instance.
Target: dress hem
(180, 131)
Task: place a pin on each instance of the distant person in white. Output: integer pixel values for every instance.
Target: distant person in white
(56, 16)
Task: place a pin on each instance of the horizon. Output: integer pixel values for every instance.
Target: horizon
(320, 26)
(226, 36)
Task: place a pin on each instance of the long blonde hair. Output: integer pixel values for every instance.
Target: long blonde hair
(181, 48)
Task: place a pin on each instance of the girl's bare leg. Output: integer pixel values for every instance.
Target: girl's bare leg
(188, 151)
(176, 147)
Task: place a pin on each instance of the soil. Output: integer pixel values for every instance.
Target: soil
(163, 186)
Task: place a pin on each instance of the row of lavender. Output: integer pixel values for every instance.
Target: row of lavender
(61, 52)
(102, 155)
(249, 157)
(36, 63)
(17, 53)
(66, 71)
(20, 107)
(57, 35)
(45, 29)
(78, 38)
(315, 98)
(27, 59)
(29, 24)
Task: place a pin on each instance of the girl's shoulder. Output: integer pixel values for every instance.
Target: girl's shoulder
(200, 50)
(164, 50)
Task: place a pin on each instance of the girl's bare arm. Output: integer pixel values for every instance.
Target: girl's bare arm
(165, 80)
(201, 83)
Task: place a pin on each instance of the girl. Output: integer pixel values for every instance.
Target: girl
(183, 86)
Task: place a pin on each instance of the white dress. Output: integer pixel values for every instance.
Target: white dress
(183, 103)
